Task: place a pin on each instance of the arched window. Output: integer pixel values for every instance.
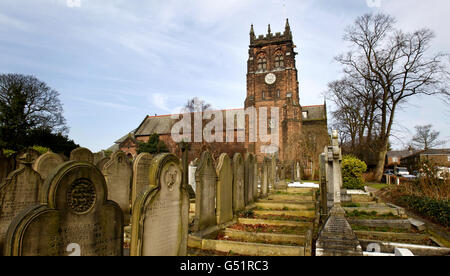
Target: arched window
(279, 61)
(262, 64)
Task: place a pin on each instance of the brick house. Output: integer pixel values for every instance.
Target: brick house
(439, 157)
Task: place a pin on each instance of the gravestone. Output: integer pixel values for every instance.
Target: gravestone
(82, 155)
(100, 164)
(323, 186)
(238, 183)
(224, 199)
(19, 191)
(74, 213)
(192, 168)
(141, 166)
(118, 173)
(336, 237)
(265, 177)
(32, 153)
(255, 179)
(46, 163)
(161, 213)
(7, 165)
(205, 193)
(249, 178)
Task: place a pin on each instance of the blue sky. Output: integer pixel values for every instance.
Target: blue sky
(116, 61)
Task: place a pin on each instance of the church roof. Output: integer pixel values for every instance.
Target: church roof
(315, 112)
(155, 124)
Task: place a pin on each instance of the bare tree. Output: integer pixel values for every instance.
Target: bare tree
(395, 66)
(426, 138)
(196, 105)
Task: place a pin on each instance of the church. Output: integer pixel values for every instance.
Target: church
(272, 83)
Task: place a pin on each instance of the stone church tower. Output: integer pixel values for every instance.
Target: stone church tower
(272, 81)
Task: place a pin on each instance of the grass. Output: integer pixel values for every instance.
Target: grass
(264, 228)
(377, 185)
(370, 215)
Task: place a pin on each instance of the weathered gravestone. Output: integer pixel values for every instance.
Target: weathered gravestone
(141, 180)
(161, 213)
(224, 189)
(82, 155)
(118, 173)
(7, 165)
(74, 214)
(265, 177)
(100, 164)
(238, 183)
(336, 237)
(273, 171)
(255, 179)
(19, 191)
(205, 193)
(249, 178)
(192, 168)
(46, 163)
(32, 155)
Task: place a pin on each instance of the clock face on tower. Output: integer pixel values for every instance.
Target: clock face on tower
(270, 78)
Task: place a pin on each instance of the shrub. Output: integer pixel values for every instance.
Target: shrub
(8, 152)
(41, 149)
(352, 172)
(438, 210)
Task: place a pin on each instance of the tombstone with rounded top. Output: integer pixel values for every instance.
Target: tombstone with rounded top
(82, 155)
(161, 212)
(74, 212)
(118, 173)
(19, 191)
(238, 183)
(46, 163)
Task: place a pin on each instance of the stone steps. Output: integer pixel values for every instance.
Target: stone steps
(298, 213)
(270, 238)
(252, 249)
(274, 222)
(279, 205)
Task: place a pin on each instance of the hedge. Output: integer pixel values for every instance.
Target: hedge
(438, 210)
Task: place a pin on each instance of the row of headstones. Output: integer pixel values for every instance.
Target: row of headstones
(73, 209)
(222, 191)
(28, 187)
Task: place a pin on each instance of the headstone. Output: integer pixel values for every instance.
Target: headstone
(82, 155)
(205, 193)
(255, 179)
(19, 191)
(238, 183)
(141, 166)
(102, 162)
(333, 172)
(161, 213)
(74, 213)
(224, 199)
(192, 170)
(337, 237)
(249, 178)
(7, 165)
(265, 177)
(118, 174)
(46, 163)
(273, 171)
(32, 153)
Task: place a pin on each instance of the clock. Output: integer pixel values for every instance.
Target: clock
(270, 78)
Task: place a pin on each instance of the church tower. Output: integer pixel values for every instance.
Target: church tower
(272, 81)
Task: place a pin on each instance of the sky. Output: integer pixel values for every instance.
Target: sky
(116, 61)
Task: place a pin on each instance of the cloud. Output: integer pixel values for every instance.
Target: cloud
(73, 3)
